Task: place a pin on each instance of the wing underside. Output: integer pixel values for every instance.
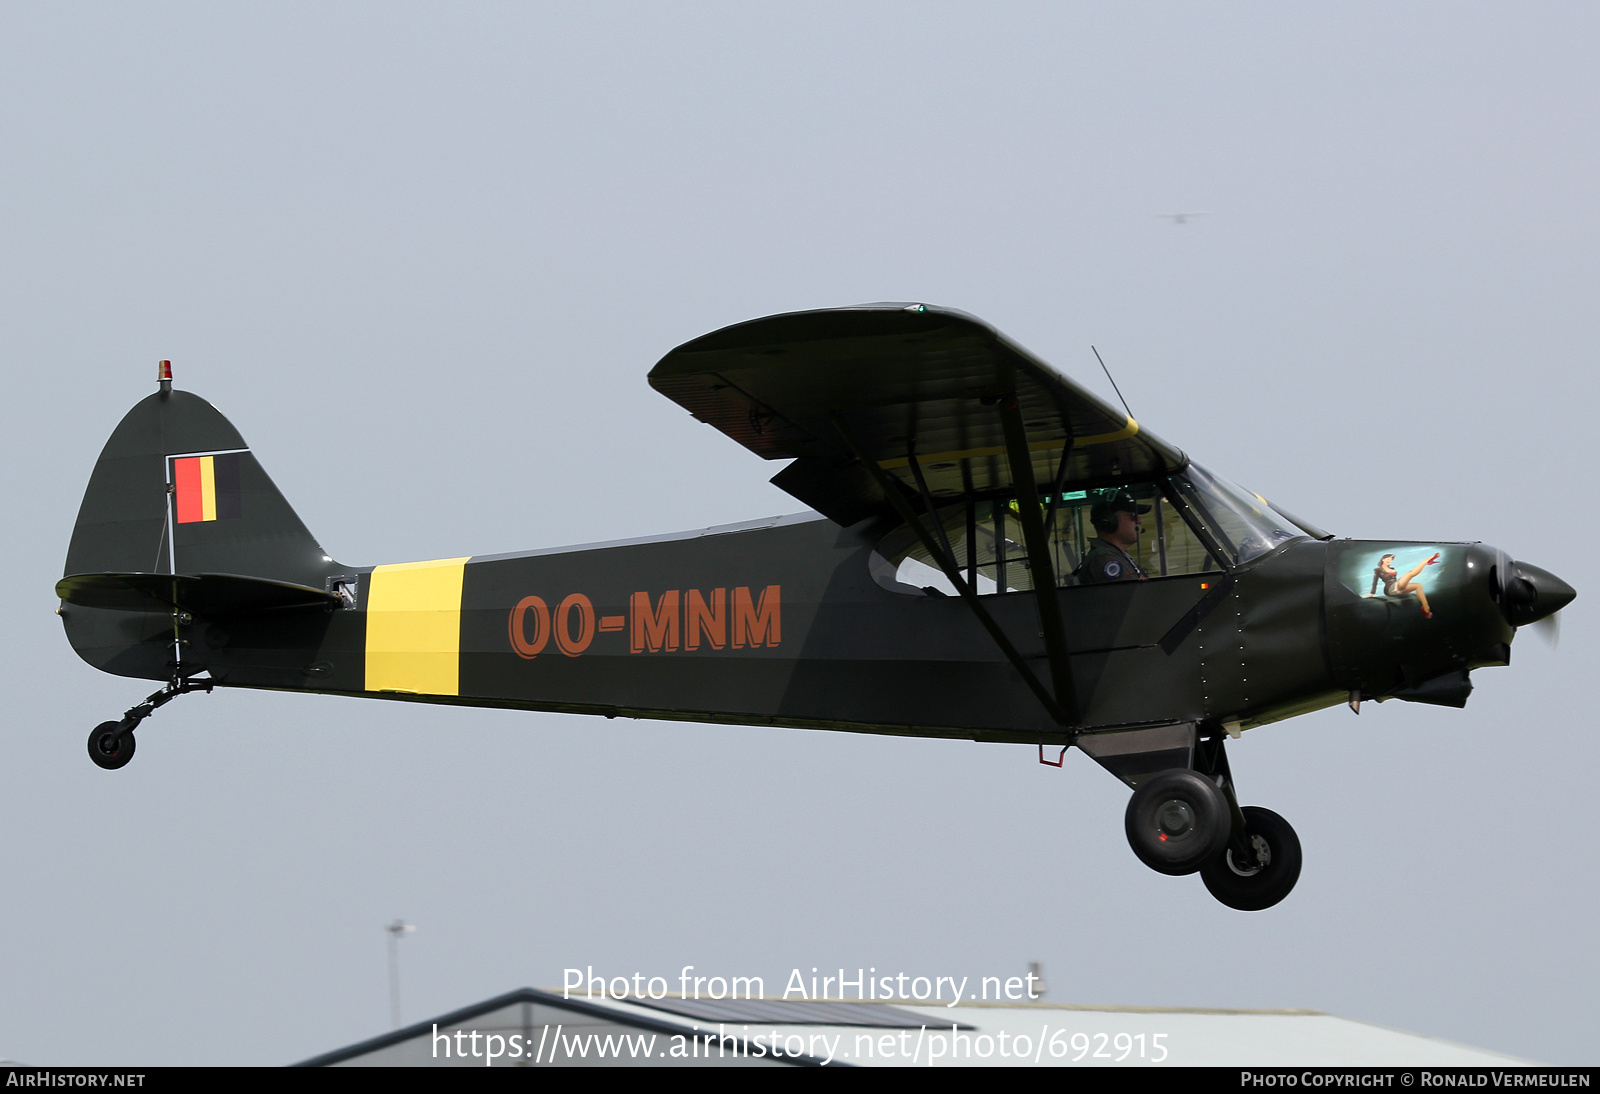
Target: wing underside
(916, 389)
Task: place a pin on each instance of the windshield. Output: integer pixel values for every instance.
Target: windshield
(1243, 524)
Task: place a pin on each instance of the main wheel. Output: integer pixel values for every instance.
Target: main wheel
(1252, 886)
(108, 750)
(1177, 822)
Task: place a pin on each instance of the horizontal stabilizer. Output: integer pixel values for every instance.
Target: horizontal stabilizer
(209, 595)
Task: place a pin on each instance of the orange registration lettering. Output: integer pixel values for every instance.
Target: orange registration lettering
(758, 623)
(572, 644)
(677, 619)
(707, 620)
(525, 646)
(655, 629)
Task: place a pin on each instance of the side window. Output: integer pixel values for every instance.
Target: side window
(986, 540)
(1165, 545)
(1181, 550)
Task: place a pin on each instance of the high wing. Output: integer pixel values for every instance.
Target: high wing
(914, 388)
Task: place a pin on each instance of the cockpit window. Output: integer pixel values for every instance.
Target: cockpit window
(1180, 523)
(986, 541)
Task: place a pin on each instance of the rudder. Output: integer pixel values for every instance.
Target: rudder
(177, 491)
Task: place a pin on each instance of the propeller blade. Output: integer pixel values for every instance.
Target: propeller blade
(1549, 629)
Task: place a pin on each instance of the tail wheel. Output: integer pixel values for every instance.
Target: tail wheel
(1270, 871)
(1177, 822)
(107, 749)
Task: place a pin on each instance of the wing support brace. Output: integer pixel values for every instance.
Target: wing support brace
(892, 491)
(1033, 534)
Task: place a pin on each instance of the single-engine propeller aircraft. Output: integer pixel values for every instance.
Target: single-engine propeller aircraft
(994, 554)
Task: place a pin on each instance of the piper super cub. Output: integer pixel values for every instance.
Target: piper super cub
(993, 553)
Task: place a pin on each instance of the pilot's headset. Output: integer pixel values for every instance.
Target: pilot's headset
(1103, 515)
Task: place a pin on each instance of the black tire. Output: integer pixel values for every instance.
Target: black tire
(1260, 886)
(104, 752)
(1177, 822)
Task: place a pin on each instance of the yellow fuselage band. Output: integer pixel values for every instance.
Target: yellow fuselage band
(414, 627)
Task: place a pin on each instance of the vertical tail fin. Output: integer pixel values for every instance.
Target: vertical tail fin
(176, 491)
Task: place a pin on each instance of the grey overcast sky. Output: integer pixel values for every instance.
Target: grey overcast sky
(423, 255)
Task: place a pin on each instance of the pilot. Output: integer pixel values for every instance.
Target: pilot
(1116, 517)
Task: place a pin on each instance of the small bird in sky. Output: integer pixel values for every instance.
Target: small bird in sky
(1181, 218)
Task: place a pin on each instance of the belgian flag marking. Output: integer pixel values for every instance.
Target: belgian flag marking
(206, 487)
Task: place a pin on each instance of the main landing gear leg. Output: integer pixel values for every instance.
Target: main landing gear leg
(111, 743)
(1261, 860)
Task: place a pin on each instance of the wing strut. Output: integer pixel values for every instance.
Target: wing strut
(1061, 476)
(892, 491)
(927, 499)
(1033, 535)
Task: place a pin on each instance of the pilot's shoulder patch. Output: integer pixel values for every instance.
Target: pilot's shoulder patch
(1113, 569)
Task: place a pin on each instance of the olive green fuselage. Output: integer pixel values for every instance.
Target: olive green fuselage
(784, 624)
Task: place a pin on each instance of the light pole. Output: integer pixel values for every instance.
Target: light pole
(396, 929)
